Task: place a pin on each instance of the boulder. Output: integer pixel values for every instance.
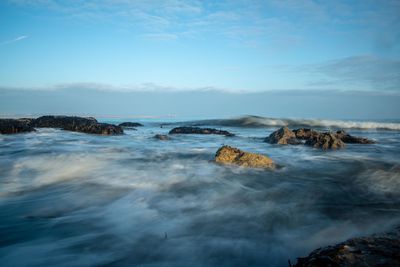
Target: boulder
(349, 139)
(130, 124)
(197, 130)
(305, 133)
(12, 126)
(235, 156)
(325, 141)
(283, 136)
(77, 124)
(375, 250)
(162, 137)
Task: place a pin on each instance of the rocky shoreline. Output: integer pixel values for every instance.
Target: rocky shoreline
(376, 250)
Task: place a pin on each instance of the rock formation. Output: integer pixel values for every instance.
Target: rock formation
(375, 250)
(162, 137)
(325, 141)
(130, 124)
(197, 130)
(349, 139)
(12, 126)
(283, 136)
(234, 156)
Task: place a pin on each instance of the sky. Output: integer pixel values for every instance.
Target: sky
(236, 47)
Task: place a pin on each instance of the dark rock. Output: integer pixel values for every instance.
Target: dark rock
(12, 126)
(375, 250)
(197, 130)
(78, 124)
(283, 136)
(325, 141)
(235, 156)
(305, 133)
(349, 139)
(130, 124)
(162, 137)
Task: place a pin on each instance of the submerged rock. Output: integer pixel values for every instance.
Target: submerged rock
(197, 130)
(12, 126)
(375, 250)
(325, 141)
(78, 124)
(283, 136)
(349, 139)
(235, 156)
(130, 124)
(162, 137)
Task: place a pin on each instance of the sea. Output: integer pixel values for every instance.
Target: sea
(76, 199)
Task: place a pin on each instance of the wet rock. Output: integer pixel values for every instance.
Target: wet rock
(325, 141)
(283, 136)
(12, 126)
(305, 133)
(349, 139)
(130, 124)
(235, 156)
(197, 130)
(162, 137)
(78, 124)
(375, 250)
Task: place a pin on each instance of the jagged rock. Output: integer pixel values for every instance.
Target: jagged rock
(12, 126)
(235, 156)
(78, 124)
(197, 130)
(325, 141)
(283, 136)
(162, 137)
(305, 133)
(130, 124)
(375, 250)
(347, 138)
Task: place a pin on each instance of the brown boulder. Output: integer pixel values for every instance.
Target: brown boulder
(283, 136)
(325, 141)
(305, 133)
(349, 139)
(234, 156)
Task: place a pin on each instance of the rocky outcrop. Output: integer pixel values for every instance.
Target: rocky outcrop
(305, 133)
(197, 130)
(130, 124)
(235, 156)
(13, 126)
(77, 124)
(283, 136)
(375, 250)
(162, 137)
(325, 141)
(349, 139)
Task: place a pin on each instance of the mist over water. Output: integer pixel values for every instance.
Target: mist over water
(73, 199)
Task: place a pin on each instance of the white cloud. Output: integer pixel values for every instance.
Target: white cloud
(19, 38)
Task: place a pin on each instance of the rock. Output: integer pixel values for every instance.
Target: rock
(283, 136)
(162, 137)
(305, 133)
(349, 139)
(197, 130)
(375, 250)
(78, 124)
(231, 155)
(130, 124)
(325, 141)
(12, 126)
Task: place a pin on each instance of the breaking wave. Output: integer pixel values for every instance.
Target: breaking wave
(259, 122)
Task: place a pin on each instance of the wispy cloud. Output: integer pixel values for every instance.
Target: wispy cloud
(19, 38)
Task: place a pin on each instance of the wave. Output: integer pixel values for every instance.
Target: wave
(259, 122)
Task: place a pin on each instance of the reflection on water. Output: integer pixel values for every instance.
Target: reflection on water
(72, 199)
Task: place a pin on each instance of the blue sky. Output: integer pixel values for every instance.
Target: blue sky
(179, 45)
(77, 57)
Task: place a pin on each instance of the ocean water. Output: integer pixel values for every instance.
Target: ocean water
(74, 199)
